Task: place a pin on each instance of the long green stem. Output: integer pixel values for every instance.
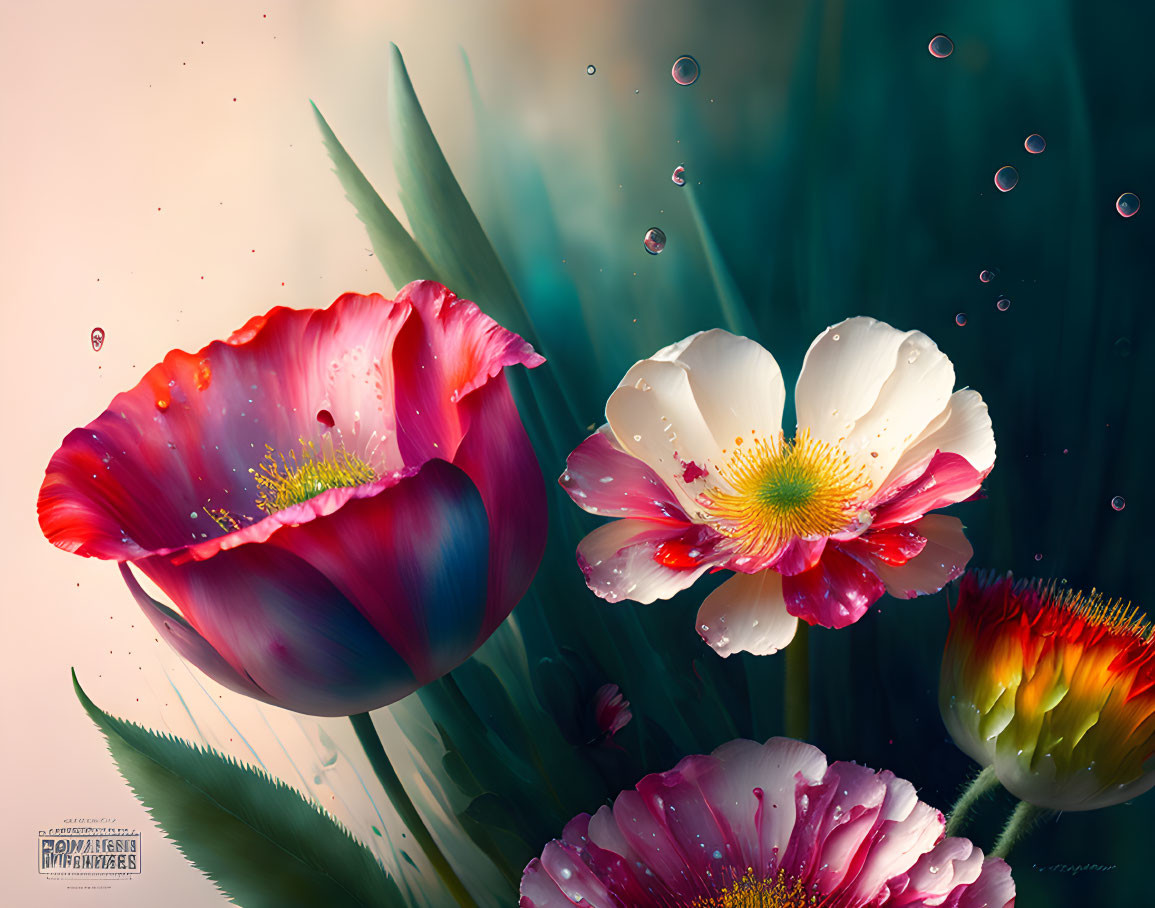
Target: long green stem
(1018, 825)
(387, 775)
(979, 786)
(796, 692)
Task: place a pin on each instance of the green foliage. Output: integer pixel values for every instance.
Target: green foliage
(258, 839)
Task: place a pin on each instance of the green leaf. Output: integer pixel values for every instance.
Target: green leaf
(259, 840)
(441, 217)
(398, 253)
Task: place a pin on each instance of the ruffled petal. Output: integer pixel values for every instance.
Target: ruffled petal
(834, 593)
(941, 560)
(951, 864)
(872, 389)
(603, 479)
(643, 560)
(747, 614)
(377, 378)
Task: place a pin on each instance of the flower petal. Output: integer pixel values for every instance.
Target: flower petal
(736, 382)
(948, 478)
(747, 614)
(941, 560)
(643, 560)
(834, 593)
(279, 622)
(872, 391)
(654, 417)
(603, 479)
(414, 562)
(963, 428)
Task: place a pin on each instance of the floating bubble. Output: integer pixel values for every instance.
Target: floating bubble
(986, 276)
(1035, 143)
(1127, 204)
(960, 319)
(1006, 178)
(1038, 556)
(685, 70)
(1002, 304)
(654, 240)
(940, 46)
(1123, 347)
(591, 69)
(679, 176)
(97, 338)
(1118, 503)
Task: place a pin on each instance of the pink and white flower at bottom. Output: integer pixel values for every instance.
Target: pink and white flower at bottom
(765, 824)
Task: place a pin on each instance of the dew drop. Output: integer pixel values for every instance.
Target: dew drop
(1127, 204)
(960, 319)
(654, 240)
(940, 46)
(1035, 143)
(1038, 556)
(679, 176)
(986, 276)
(1002, 304)
(1006, 178)
(685, 70)
(1118, 503)
(97, 338)
(591, 69)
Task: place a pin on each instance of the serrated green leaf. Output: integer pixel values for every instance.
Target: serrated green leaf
(258, 839)
(398, 253)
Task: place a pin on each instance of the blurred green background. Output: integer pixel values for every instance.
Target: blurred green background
(843, 170)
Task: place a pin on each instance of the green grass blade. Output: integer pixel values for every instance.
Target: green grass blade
(259, 840)
(398, 253)
(442, 220)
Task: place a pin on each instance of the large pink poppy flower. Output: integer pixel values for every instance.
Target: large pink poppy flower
(342, 504)
(765, 824)
(693, 462)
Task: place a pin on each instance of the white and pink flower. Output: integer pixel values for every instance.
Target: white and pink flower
(693, 462)
(765, 824)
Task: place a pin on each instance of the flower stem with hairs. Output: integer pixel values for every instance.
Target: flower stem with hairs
(983, 783)
(1018, 825)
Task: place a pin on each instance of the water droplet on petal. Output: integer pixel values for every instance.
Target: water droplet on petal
(940, 46)
(1035, 143)
(679, 176)
(654, 240)
(1002, 304)
(97, 338)
(1118, 502)
(960, 319)
(1127, 204)
(591, 69)
(1006, 178)
(986, 276)
(685, 70)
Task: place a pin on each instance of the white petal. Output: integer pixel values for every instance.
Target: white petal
(945, 556)
(656, 419)
(964, 428)
(916, 385)
(841, 378)
(737, 384)
(747, 614)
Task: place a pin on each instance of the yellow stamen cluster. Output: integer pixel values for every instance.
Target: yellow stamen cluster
(223, 518)
(285, 481)
(776, 491)
(1116, 616)
(752, 892)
